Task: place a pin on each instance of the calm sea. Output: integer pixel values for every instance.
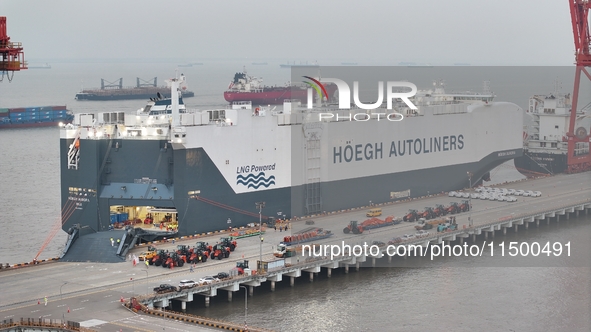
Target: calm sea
(465, 298)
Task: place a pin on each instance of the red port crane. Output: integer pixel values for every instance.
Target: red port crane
(579, 158)
(12, 57)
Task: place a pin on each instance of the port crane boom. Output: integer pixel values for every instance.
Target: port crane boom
(579, 139)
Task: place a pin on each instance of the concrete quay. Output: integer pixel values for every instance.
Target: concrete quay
(563, 196)
(90, 293)
(312, 266)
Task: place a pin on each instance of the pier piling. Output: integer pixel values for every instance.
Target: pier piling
(311, 276)
(272, 286)
(207, 301)
(229, 296)
(328, 272)
(346, 268)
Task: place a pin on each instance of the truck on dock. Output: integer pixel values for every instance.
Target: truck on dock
(356, 228)
(374, 212)
(424, 224)
(284, 251)
(447, 227)
(447, 224)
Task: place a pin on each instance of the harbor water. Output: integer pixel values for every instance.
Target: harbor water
(546, 295)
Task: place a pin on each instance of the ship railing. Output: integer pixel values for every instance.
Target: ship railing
(438, 102)
(122, 132)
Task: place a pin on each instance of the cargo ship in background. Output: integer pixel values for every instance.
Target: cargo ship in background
(300, 65)
(545, 139)
(248, 88)
(207, 166)
(143, 90)
(38, 66)
(43, 116)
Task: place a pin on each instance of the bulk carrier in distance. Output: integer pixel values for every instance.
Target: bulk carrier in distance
(205, 167)
(143, 90)
(27, 117)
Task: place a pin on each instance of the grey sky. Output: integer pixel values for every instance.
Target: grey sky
(500, 32)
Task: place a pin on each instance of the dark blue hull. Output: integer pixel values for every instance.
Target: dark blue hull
(150, 173)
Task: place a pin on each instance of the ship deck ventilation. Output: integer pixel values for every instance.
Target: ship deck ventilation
(74, 152)
(313, 133)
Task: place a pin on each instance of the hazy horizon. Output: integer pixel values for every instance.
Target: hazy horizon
(371, 33)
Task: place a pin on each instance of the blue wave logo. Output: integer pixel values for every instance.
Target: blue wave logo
(255, 181)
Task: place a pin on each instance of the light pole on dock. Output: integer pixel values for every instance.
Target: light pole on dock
(260, 206)
(470, 198)
(147, 286)
(61, 297)
(245, 305)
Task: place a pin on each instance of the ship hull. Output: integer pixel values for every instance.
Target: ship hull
(531, 163)
(35, 124)
(127, 96)
(187, 170)
(273, 95)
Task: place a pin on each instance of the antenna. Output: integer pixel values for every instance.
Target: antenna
(486, 87)
(557, 86)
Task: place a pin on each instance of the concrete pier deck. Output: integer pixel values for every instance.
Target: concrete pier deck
(90, 293)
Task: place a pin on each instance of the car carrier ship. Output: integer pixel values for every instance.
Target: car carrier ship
(213, 165)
